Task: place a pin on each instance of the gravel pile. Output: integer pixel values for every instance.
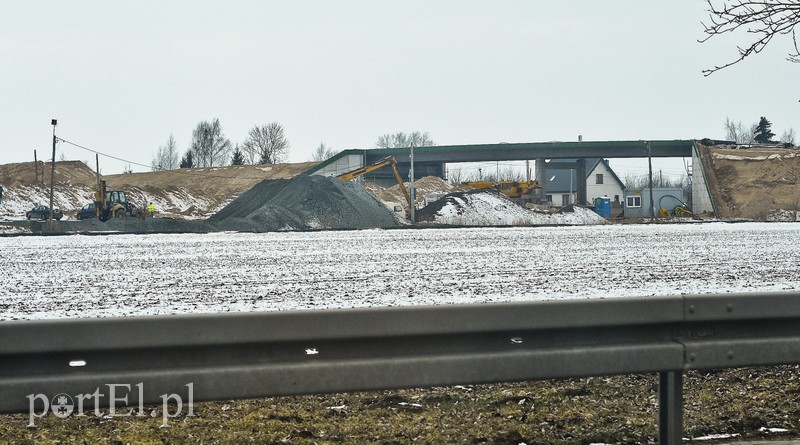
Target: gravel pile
(303, 203)
(487, 207)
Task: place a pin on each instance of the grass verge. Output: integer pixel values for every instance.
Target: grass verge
(618, 409)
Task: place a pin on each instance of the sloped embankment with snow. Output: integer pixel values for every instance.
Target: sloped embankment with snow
(491, 208)
(184, 193)
(761, 183)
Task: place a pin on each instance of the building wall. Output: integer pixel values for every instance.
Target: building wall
(342, 165)
(662, 197)
(701, 197)
(609, 188)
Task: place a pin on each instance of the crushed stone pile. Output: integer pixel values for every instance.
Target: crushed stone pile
(492, 208)
(423, 186)
(303, 203)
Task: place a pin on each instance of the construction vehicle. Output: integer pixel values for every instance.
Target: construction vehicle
(388, 161)
(513, 189)
(112, 204)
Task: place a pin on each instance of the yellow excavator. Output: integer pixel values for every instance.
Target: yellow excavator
(512, 189)
(112, 204)
(389, 161)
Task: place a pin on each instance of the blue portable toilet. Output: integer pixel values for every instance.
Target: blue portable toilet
(602, 206)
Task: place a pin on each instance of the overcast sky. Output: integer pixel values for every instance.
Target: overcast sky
(120, 77)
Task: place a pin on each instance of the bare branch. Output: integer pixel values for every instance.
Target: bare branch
(764, 19)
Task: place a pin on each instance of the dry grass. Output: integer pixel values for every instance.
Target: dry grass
(621, 409)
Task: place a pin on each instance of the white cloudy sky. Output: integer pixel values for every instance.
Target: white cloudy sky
(121, 76)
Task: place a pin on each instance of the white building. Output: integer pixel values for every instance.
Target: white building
(561, 186)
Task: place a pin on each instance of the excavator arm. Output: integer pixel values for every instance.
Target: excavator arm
(388, 161)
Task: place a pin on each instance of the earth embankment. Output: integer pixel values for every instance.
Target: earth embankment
(760, 183)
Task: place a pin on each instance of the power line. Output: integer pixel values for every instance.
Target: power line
(103, 154)
(150, 167)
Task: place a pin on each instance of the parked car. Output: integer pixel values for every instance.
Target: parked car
(87, 212)
(43, 212)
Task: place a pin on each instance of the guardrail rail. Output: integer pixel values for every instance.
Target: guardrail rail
(246, 355)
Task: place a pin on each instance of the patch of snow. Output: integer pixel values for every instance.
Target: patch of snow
(773, 156)
(13, 230)
(493, 209)
(781, 215)
(766, 430)
(715, 437)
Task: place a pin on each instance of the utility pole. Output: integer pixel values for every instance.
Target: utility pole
(650, 168)
(53, 122)
(97, 163)
(35, 167)
(412, 191)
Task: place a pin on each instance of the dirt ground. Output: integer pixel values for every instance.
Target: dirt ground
(182, 193)
(755, 183)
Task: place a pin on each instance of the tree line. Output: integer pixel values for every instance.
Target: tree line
(758, 133)
(265, 144)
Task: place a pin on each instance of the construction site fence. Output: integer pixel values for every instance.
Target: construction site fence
(248, 355)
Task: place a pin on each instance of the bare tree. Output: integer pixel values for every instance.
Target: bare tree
(209, 145)
(455, 175)
(763, 19)
(401, 139)
(323, 152)
(266, 143)
(788, 136)
(166, 157)
(638, 182)
(737, 133)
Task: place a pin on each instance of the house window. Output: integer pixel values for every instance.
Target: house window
(548, 198)
(598, 178)
(565, 199)
(633, 201)
(616, 198)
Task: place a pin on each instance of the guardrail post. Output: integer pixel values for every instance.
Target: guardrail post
(670, 408)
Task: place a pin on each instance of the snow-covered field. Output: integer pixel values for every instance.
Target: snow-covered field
(98, 276)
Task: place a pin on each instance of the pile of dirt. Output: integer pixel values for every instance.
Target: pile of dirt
(303, 203)
(488, 207)
(761, 183)
(423, 186)
(184, 193)
(29, 173)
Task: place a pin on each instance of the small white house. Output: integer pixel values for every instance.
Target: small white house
(561, 186)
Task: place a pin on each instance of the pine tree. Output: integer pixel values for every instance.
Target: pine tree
(238, 156)
(188, 160)
(763, 134)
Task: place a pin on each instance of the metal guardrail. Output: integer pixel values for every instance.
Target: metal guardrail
(246, 355)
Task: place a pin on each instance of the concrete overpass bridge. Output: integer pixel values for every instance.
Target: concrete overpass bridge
(431, 161)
